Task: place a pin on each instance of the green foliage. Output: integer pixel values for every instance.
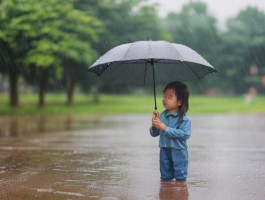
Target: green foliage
(48, 32)
(243, 48)
(249, 21)
(194, 27)
(124, 21)
(59, 35)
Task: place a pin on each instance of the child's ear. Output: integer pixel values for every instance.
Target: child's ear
(179, 103)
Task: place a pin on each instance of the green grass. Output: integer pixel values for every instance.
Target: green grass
(127, 104)
(226, 104)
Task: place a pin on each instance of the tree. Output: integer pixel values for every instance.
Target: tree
(124, 21)
(244, 49)
(13, 46)
(56, 36)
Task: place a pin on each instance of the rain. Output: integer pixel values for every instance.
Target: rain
(66, 133)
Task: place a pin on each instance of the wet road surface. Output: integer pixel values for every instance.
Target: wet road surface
(116, 158)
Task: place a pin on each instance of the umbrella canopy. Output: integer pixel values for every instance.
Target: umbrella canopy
(150, 62)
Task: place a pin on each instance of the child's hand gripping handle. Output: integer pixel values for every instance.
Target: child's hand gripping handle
(155, 114)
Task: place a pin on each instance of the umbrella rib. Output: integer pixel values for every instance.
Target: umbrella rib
(186, 63)
(124, 56)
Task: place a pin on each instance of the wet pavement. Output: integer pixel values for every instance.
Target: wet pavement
(116, 158)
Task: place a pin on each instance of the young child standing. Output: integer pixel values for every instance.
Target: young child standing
(174, 128)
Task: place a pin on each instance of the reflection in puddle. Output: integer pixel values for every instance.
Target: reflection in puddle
(14, 126)
(170, 190)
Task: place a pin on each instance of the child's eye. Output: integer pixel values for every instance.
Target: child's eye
(167, 97)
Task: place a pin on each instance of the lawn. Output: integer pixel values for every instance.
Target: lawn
(128, 104)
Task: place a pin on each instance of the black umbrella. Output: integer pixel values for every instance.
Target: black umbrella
(150, 62)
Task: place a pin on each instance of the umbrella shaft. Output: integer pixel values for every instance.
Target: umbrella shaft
(154, 84)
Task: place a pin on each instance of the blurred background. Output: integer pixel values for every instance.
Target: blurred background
(65, 135)
(47, 46)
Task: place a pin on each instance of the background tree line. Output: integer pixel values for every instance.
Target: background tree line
(51, 43)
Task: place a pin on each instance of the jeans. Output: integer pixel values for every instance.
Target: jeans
(173, 163)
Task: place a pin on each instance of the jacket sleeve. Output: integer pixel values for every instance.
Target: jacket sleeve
(154, 132)
(182, 133)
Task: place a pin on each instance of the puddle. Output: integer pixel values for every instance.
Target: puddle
(116, 158)
(16, 126)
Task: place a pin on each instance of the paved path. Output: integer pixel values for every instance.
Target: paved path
(116, 158)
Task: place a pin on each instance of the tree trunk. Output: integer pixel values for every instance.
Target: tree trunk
(42, 87)
(13, 95)
(69, 86)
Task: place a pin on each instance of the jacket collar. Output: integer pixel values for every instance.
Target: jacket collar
(174, 114)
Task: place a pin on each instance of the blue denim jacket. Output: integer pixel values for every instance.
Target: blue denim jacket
(176, 133)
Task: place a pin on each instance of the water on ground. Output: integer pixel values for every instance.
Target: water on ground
(115, 158)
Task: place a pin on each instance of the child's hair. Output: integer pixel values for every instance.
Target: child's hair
(182, 93)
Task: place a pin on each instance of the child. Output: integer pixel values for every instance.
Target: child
(174, 128)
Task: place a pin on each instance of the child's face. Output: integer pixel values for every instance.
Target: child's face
(170, 100)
